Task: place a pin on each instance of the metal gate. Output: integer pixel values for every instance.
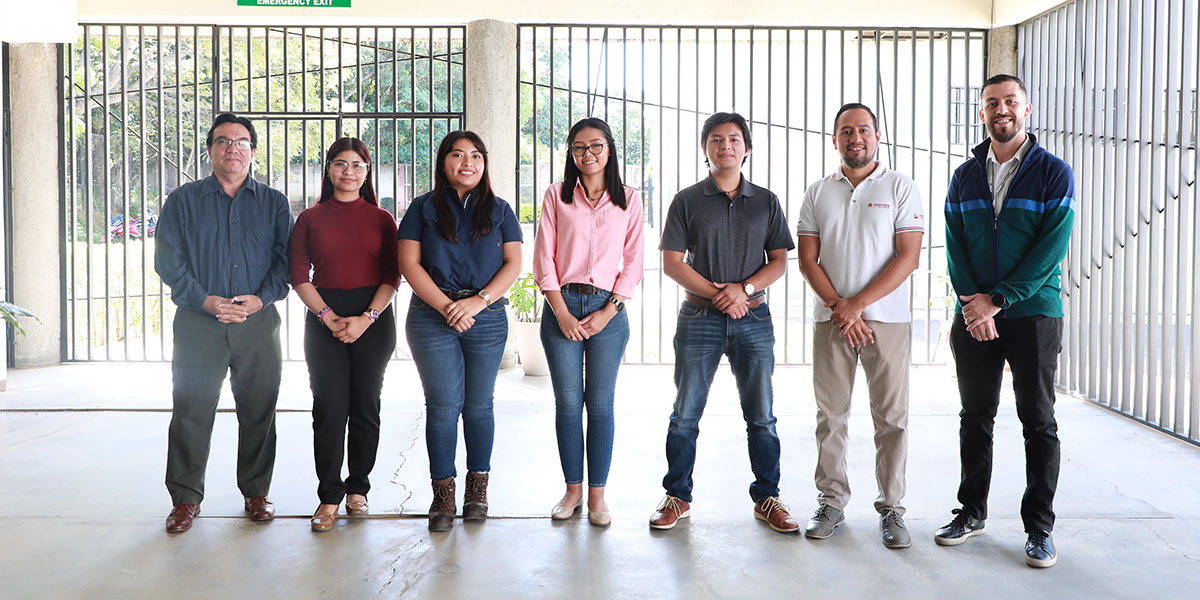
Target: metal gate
(656, 85)
(139, 99)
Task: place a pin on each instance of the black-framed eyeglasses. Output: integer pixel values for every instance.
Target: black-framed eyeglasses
(341, 165)
(225, 143)
(596, 148)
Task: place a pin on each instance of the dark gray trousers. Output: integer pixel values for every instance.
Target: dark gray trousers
(205, 349)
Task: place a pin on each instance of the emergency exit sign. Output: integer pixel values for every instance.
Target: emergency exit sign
(297, 3)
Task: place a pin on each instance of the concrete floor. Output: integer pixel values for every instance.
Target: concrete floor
(82, 452)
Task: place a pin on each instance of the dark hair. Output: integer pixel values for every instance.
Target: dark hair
(720, 119)
(232, 118)
(612, 170)
(1004, 78)
(853, 106)
(485, 199)
(341, 145)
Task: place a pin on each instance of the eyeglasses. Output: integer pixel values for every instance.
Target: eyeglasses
(596, 149)
(341, 165)
(225, 143)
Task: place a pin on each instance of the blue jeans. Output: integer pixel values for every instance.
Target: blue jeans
(458, 372)
(701, 337)
(575, 387)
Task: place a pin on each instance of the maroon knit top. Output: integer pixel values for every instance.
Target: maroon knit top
(347, 245)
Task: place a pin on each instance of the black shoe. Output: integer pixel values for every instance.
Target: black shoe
(957, 531)
(1039, 550)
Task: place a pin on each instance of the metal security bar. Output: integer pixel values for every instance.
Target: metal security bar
(1113, 84)
(139, 99)
(656, 85)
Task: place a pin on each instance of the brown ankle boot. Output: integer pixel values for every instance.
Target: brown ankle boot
(475, 505)
(441, 511)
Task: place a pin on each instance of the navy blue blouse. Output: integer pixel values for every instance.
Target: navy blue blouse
(467, 264)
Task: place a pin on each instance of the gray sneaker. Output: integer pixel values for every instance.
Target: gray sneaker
(823, 522)
(895, 534)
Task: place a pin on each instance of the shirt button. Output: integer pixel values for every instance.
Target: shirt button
(235, 266)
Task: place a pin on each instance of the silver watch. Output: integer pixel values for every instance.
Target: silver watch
(486, 296)
(749, 288)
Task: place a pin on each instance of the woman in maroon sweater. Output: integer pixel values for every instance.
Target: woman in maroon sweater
(349, 243)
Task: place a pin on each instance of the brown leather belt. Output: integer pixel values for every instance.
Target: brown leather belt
(583, 288)
(703, 302)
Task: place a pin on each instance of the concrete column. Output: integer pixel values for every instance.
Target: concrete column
(492, 98)
(1002, 51)
(36, 232)
(492, 113)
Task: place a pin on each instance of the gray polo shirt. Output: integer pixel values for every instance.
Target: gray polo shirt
(725, 240)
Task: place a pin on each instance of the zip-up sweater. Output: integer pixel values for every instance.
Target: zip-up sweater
(1018, 252)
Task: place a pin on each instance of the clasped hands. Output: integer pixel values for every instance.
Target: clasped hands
(731, 300)
(460, 314)
(346, 329)
(846, 315)
(232, 310)
(979, 312)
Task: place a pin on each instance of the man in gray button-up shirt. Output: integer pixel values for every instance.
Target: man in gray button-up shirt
(724, 242)
(222, 249)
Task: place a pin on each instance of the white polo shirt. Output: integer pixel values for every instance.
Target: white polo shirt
(857, 228)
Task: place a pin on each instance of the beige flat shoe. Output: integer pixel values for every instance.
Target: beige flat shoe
(600, 519)
(562, 512)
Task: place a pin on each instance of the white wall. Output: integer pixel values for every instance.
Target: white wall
(1013, 12)
(927, 13)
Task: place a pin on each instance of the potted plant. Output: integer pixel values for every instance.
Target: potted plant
(10, 312)
(526, 303)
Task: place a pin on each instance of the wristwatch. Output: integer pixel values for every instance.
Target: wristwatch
(749, 288)
(371, 314)
(486, 296)
(1000, 301)
(617, 302)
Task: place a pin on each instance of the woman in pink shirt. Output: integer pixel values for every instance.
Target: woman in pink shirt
(587, 261)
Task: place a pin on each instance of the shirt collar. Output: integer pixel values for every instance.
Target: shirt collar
(581, 192)
(212, 184)
(452, 195)
(876, 174)
(712, 189)
(1019, 156)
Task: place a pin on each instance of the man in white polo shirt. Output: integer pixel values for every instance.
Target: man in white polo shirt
(859, 238)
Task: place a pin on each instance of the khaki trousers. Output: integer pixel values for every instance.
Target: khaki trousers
(886, 364)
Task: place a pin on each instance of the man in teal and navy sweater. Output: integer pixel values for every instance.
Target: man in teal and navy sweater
(1009, 213)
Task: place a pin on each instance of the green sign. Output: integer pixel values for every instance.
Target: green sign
(297, 3)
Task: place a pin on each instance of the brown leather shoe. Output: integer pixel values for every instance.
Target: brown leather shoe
(181, 517)
(323, 519)
(356, 507)
(775, 513)
(441, 511)
(260, 508)
(669, 512)
(475, 504)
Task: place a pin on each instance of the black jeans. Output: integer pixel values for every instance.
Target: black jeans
(1030, 345)
(346, 381)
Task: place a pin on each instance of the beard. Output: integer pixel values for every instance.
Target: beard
(1005, 136)
(857, 163)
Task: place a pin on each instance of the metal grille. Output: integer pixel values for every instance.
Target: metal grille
(1113, 84)
(138, 102)
(656, 85)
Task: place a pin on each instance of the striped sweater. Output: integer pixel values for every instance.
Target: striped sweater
(1017, 253)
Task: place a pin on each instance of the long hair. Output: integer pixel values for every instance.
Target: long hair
(485, 199)
(341, 145)
(612, 170)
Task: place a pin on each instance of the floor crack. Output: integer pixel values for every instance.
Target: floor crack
(1168, 544)
(414, 573)
(413, 435)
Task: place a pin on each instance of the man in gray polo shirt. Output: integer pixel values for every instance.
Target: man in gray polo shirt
(859, 238)
(724, 241)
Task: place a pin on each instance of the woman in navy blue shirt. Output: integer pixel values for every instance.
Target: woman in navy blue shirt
(460, 249)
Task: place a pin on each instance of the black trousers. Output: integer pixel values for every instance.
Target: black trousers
(1030, 345)
(205, 351)
(346, 381)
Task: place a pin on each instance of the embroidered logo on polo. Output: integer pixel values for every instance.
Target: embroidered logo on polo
(878, 205)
